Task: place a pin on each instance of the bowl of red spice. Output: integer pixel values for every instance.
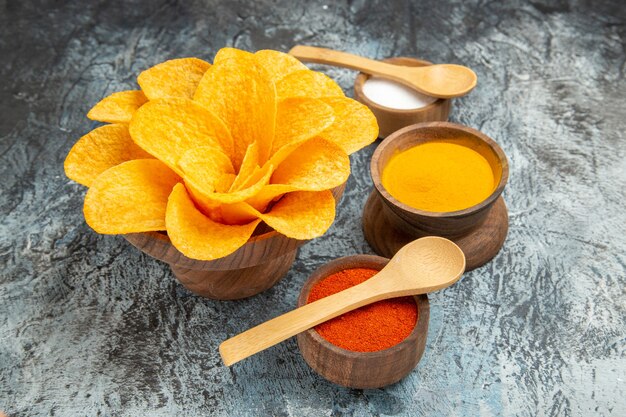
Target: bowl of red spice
(372, 346)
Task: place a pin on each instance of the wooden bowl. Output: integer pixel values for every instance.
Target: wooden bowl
(479, 230)
(362, 369)
(389, 119)
(253, 268)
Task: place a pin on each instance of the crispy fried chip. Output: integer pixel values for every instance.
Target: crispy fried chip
(315, 165)
(355, 125)
(130, 197)
(278, 64)
(167, 128)
(240, 93)
(224, 183)
(118, 107)
(205, 165)
(302, 214)
(300, 118)
(196, 235)
(99, 150)
(267, 194)
(256, 175)
(237, 213)
(206, 170)
(305, 83)
(248, 165)
(173, 78)
(298, 215)
(208, 198)
(282, 153)
(231, 53)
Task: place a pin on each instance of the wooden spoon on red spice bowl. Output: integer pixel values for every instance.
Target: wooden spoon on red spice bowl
(422, 266)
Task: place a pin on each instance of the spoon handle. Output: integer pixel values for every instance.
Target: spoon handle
(296, 321)
(346, 60)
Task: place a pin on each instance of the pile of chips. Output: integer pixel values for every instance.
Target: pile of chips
(207, 152)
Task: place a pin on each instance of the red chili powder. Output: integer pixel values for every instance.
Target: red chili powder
(370, 328)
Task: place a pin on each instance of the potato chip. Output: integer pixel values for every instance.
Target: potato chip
(169, 128)
(257, 174)
(300, 118)
(240, 93)
(118, 107)
(196, 235)
(231, 53)
(205, 205)
(237, 213)
(130, 197)
(174, 78)
(355, 125)
(248, 165)
(302, 214)
(205, 165)
(99, 150)
(268, 194)
(299, 215)
(278, 64)
(207, 198)
(315, 165)
(306, 83)
(224, 183)
(206, 170)
(282, 153)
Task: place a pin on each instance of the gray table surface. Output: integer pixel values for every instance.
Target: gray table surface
(90, 326)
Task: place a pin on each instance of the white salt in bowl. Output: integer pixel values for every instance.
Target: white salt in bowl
(397, 106)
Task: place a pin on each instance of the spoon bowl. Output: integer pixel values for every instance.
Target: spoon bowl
(424, 265)
(441, 80)
(444, 80)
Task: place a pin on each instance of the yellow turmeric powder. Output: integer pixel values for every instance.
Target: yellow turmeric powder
(439, 177)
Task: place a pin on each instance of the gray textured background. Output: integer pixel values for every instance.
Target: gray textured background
(90, 326)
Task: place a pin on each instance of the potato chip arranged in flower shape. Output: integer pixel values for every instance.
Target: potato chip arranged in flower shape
(207, 152)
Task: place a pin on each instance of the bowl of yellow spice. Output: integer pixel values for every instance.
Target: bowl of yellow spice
(441, 179)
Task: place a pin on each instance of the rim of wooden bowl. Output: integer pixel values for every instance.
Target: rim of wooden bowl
(363, 261)
(389, 142)
(362, 77)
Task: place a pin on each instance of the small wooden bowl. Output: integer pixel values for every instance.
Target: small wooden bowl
(362, 369)
(389, 119)
(479, 231)
(253, 268)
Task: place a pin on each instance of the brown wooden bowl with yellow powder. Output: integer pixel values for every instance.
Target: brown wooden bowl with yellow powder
(441, 179)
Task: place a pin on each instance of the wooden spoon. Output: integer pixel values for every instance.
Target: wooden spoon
(424, 265)
(440, 80)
